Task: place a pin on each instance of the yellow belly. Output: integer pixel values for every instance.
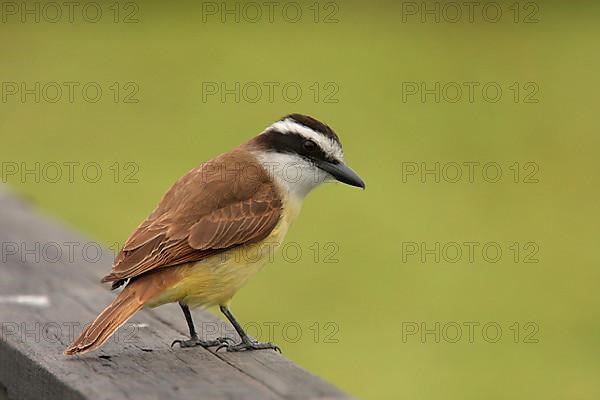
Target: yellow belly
(215, 280)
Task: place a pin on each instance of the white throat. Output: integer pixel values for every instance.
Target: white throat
(293, 174)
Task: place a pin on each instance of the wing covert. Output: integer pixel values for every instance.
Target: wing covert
(202, 214)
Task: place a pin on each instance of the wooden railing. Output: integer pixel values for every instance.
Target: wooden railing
(49, 290)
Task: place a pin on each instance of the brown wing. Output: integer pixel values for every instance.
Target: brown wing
(227, 202)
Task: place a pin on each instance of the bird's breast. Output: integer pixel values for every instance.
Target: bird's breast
(214, 280)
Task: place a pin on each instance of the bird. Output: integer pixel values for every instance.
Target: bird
(193, 248)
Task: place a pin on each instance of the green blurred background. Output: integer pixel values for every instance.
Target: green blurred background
(375, 291)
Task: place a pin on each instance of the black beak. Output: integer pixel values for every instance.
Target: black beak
(341, 172)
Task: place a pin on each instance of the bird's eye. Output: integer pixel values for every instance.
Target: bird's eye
(309, 145)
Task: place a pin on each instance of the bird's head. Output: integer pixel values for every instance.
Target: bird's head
(302, 152)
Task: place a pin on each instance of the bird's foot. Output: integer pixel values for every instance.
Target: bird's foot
(248, 345)
(193, 342)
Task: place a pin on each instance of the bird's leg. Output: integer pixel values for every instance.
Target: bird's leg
(194, 339)
(247, 343)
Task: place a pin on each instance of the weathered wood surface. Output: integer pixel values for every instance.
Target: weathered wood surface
(138, 362)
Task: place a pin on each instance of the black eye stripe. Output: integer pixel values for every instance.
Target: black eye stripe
(292, 143)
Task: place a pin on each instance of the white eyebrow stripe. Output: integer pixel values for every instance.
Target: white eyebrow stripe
(290, 126)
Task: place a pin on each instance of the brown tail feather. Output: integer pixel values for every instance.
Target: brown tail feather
(109, 320)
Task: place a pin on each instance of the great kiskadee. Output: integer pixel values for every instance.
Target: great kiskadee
(192, 248)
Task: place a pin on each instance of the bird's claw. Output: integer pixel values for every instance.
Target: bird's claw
(204, 343)
(248, 346)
